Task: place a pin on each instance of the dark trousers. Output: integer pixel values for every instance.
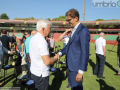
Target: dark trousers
(41, 83)
(99, 67)
(28, 76)
(6, 58)
(51, 50)
(72, 81)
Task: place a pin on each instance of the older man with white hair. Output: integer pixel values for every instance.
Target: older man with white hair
(39, 55)
(100, 44)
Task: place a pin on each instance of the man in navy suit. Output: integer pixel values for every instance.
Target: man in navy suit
(77, 50)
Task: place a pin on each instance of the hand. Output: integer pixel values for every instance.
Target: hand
(56, 57)
(11, 52)
(30, 61)
(104, 55)
(69, 30)
(79, 77)
(23, 53)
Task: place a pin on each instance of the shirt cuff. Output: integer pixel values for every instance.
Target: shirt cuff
(60, 54)
(80, 71)
(8, 52)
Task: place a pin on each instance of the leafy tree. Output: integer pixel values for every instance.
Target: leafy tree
(4, 16)
(60, 18)
(99, 20)
(48, 19)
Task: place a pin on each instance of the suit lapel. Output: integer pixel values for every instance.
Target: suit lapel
(76, 32)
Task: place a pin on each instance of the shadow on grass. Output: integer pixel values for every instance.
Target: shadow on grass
(57, 81)
(111, 67)
(111, 51)
(7, 79)
(92, 64)
(104, 86)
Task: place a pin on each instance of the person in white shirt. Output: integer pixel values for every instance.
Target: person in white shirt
(39, 55)
(66, 38)
(100, 44)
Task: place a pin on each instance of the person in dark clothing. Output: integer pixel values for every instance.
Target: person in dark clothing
(118, 53)
(23, 38)
(6, 43)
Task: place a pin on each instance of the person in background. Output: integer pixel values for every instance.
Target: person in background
(51, 44)
(6, 42)
(66, 38)
(33, 32)
(23, 38)
(2, 51)
(100, 44)
(13, 41)
(23, 52)
(8, 34)
(19, 56)
(26, 51)
(23, 62)
(118, 53)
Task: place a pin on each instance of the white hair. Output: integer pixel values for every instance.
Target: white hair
(101, 34)
(42, 23)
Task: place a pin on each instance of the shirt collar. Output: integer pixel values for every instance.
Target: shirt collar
(39, 34)
(101, 37)
(76, 26)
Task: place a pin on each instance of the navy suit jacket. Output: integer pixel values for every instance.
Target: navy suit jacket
(77, 49)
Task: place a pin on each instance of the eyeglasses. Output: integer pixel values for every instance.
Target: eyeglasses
(68, 20)
(25, 34)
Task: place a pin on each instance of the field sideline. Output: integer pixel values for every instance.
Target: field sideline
(90, 81)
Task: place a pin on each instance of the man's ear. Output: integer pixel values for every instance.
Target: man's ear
(43, 29)
(76, 19)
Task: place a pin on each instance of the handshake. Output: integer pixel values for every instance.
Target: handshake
(56, 57)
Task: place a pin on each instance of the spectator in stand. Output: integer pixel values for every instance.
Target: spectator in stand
(118, 53)
(6, 42)
(100, 44)
(51, 44)
(39, 55)
(66, 38)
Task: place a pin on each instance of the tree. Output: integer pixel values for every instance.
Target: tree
(4, 16)
(60, 18)
(48, 19)
(99, 20)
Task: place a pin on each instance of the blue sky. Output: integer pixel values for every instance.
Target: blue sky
(54, 8)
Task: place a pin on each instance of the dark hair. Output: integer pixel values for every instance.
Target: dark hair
(73, 13)
(27, 32)
(4, 32)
